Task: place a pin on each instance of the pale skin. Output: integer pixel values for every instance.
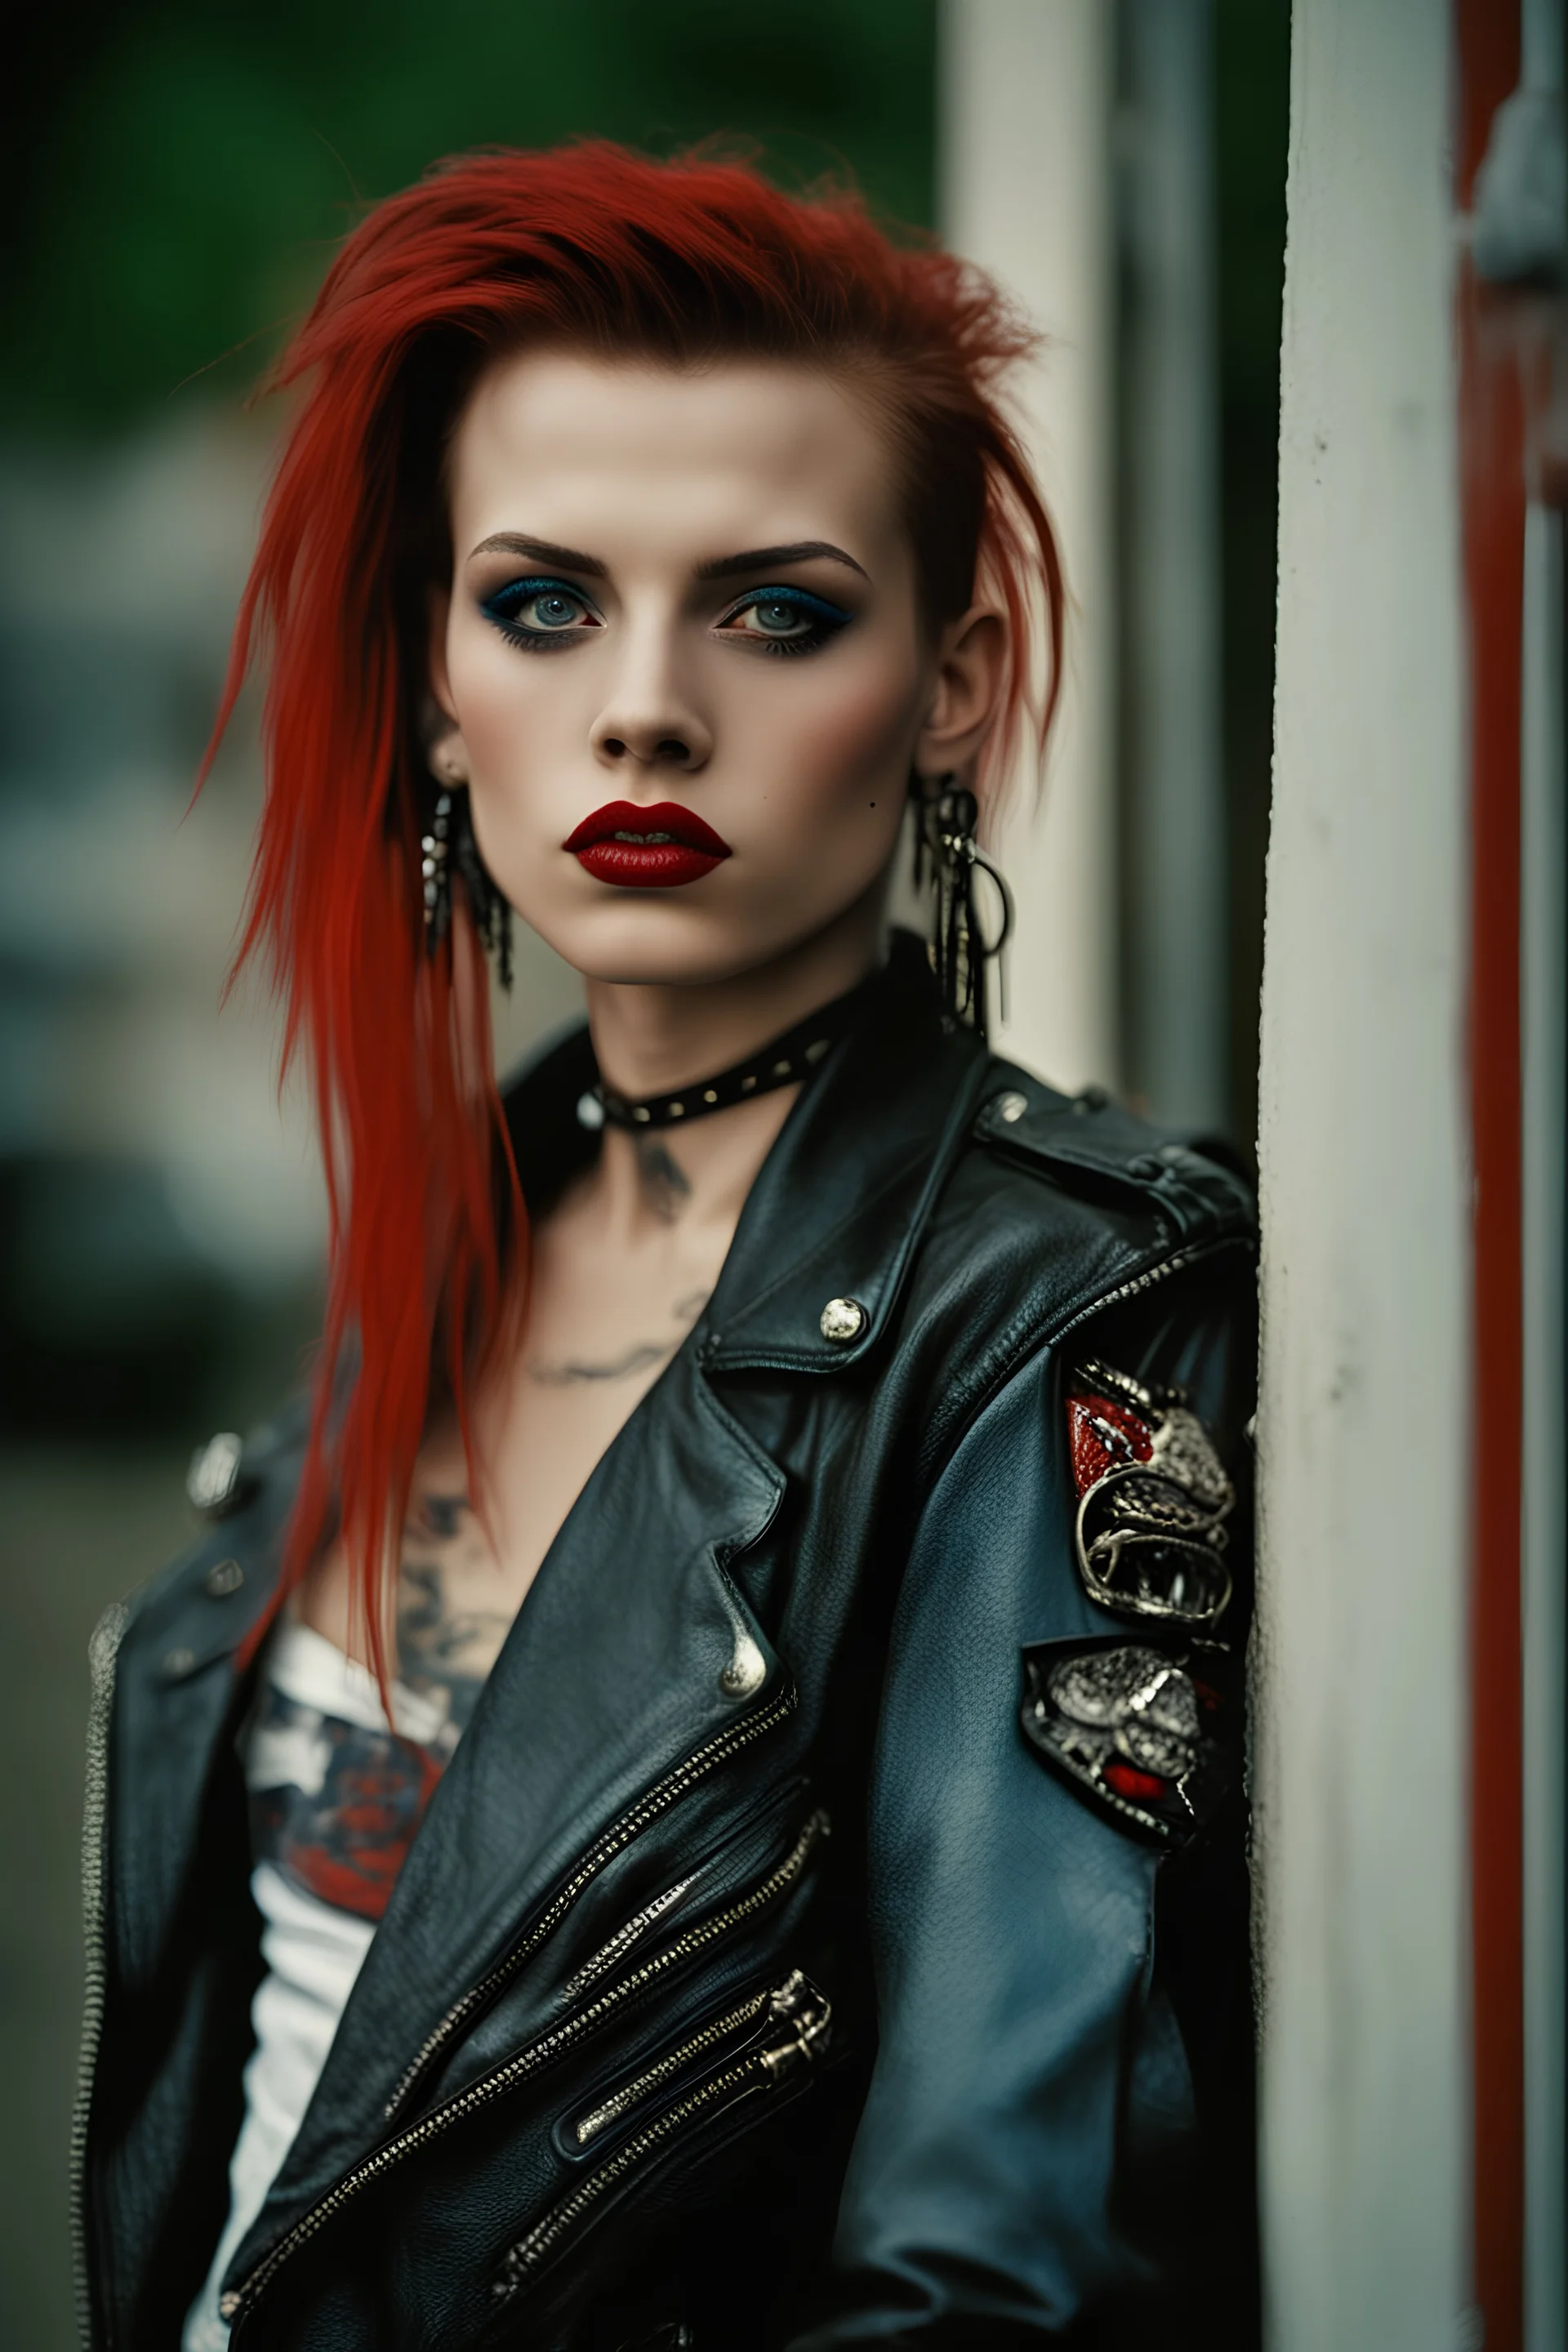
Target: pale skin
(663, 684)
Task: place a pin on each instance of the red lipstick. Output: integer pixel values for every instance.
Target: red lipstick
(656, 849)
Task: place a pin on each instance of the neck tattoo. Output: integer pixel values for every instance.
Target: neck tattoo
(664, 1183)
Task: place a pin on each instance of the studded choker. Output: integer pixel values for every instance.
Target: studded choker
(783, 1061)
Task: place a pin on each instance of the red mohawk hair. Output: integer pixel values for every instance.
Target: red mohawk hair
(687, 262)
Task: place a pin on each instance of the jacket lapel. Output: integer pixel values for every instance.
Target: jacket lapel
(610, 1677)
(839, 1205)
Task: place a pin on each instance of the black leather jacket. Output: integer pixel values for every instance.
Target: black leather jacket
(777, 1963)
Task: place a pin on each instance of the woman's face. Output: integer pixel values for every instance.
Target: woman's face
(684, 658)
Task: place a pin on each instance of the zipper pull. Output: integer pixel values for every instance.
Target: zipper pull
(808, 2016)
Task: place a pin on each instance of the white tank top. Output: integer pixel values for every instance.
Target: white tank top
(336, 1798)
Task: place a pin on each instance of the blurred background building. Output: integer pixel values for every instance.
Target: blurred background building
(174, 177)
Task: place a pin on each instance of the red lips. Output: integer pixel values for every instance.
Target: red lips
(656, 849)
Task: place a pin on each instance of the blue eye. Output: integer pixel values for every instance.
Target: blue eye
(537, 612)
(785, 620)
(777, 618)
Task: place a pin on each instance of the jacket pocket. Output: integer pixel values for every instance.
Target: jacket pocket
(702, 1938)
(765, 1717)
(761, 2049)
(743, 1845)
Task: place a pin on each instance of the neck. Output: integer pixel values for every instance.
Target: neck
(652, 1037)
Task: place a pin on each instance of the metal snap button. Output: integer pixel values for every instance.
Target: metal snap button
(1146, 1168)
(843, 1319)
(178, 1664)
(745, 1671)
(1012, 1107)
(226, 1577)
(214, 1474)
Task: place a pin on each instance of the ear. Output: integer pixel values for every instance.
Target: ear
(438, 605)
(966, 691)
(445, 751)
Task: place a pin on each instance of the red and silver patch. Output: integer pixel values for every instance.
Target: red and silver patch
(1142, 1732)
(1152, 1500)
(1105, 1434)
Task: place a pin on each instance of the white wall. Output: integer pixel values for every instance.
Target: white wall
(1364, 1429)
(1025, 92)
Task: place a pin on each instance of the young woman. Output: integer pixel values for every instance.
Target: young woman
(690, 1798)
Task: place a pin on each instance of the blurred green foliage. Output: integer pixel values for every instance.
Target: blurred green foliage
(1252, 123)
(176, 175)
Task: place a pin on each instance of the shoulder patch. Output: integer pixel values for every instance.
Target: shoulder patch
(1148, 1736)
(1153, 1497)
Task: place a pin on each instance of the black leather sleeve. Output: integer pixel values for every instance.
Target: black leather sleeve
(1038, 2160)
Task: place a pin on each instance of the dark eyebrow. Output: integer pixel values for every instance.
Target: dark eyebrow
(541, 551)
(763, 559)
(722, 567)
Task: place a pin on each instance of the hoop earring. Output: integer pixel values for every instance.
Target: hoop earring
(946, 855)
(448, 846)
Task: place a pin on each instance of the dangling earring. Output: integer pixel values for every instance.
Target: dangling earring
(947, 855)
(437, 881)
(447, 844)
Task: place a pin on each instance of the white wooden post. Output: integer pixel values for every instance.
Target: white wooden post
(1364, 1430)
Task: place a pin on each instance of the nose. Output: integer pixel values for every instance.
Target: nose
(649, 719)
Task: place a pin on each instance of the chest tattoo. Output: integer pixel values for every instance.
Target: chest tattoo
(637, 1358)
(445, 1646)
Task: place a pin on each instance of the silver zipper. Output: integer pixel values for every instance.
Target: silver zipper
(712, 2037)
(806, 2016)
(632, 2095)
(632, 1932)
(104, 1654)
(1175, 1263)
(604, 1848)
(528, 2060)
